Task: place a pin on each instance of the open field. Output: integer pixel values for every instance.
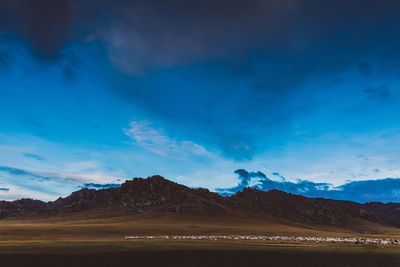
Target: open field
(94, 227)
(99, 241)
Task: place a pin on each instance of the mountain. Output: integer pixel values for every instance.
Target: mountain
(23, 207)
(158, 196)
(388, 213)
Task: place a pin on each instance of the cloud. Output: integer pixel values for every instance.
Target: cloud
(146, 35)
(4, 189)
(20, 172)
(277, 174)
(46, 25)
(61, 176)
(153, 34)
(143, 35)
(384, 190)
(100, 186)
(158, 142)
(260, 181)
(34, 156)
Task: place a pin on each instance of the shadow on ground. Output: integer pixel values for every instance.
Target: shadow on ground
(192, 258)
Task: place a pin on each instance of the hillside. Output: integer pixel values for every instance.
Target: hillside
(156, 196)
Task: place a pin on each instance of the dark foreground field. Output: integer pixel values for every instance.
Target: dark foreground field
(204, 257)
(98, 242)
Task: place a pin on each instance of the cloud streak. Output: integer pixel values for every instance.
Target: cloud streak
(99, 186)
(34, 156)
(20, 172)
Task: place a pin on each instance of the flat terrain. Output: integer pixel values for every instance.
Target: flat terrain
(95, 227)
(270, 256)
(99, 241)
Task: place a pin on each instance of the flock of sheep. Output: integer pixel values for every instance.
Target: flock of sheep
(345, 240)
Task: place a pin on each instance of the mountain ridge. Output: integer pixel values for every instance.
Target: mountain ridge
(156, 195)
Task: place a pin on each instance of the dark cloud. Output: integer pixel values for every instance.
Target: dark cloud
(384, 190)
(34, 156)
(257, 58)
(99, 186)
(300, 33)
(20, 172)
(153, 34)
(4, 189)
(277, 174)
(45, 24)
(262, 182)
(150, 34)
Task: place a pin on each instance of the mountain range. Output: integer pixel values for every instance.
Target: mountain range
(155, 196)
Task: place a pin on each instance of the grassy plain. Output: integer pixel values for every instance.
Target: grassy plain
(98, 240)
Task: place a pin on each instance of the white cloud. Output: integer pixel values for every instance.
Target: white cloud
(17, 192)
(156, 141)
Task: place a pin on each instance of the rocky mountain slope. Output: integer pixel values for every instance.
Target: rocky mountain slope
(156, 195)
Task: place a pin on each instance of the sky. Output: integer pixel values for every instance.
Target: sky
(201, 92)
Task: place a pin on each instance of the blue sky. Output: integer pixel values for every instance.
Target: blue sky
(195, 91)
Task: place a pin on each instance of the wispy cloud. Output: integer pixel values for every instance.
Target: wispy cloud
(99, 186)
(34, 156)
(20, 172)
(157, 141)
(57, 176)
